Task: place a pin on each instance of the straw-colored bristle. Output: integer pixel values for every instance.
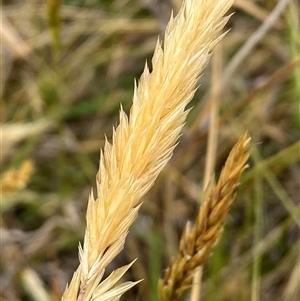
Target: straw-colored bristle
(143, 144)
(197, 242)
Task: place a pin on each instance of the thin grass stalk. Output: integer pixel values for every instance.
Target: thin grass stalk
(143, 144)
(198, 241)
(211, 151)
(258, 230)
(252, 41)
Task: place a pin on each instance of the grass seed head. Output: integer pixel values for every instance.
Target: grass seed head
(198, 241)
(143, 143)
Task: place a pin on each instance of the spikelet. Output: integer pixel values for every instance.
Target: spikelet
(143, 144)
(16, 179)
(197, 242)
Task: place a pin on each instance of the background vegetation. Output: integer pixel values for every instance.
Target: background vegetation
(66, 69)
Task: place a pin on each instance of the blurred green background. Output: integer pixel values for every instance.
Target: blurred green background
(65, 69)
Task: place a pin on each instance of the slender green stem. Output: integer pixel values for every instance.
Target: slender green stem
(258, 230)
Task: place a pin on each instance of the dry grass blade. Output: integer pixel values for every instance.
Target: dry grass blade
(197, 242)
